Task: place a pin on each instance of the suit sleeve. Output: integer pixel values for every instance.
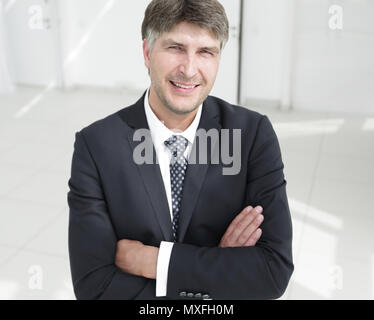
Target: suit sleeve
(92, 239)
(259, 272)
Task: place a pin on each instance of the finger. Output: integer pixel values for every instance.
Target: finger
(253, 238)
(237, 219)
(250, 229)
(237, 226)
(249, 222)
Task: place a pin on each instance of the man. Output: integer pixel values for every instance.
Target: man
(174, 229)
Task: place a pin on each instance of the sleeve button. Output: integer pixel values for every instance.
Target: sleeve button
(206, 296)
(190, 295)
(182, 294)
(198, 295)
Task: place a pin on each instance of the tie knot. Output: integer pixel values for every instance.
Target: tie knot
(177, 145)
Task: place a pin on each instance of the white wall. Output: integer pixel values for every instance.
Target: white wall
(334, 70)
(33, 41)
(226, 85)
(291, 57)
(6, 77)
(102, 43)
(265, 49)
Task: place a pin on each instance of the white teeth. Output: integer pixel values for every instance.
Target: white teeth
(182, 86)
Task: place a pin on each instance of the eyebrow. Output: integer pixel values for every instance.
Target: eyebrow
(167, 42)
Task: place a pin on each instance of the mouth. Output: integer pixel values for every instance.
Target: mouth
(184, 88)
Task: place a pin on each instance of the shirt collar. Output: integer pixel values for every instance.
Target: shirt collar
(161, 133)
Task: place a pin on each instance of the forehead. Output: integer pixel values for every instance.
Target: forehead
(191, 34)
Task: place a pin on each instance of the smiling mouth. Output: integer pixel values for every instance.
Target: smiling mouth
(184, 86)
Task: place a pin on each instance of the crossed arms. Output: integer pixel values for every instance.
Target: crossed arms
(134, 257)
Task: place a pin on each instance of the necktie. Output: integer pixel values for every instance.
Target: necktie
(178, 166)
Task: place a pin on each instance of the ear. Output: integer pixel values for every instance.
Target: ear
(146, 53)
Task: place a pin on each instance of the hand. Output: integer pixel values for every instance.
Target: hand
(128, 256)
(134, 257)
(244, 230)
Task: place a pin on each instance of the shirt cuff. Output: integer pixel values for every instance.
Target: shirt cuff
(163, 259)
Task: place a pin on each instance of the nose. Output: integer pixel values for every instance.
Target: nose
(188, 66)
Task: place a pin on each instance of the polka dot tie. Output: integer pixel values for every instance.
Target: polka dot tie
(178, 166)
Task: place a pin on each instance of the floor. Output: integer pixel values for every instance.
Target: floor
(329, 168)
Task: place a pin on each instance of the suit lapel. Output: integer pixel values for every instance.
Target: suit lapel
(196, 173)
(149, 173)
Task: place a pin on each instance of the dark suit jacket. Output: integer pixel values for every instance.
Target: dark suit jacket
(112, 198)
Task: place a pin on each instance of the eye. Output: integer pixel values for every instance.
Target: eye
(175, 47)
(207, 52)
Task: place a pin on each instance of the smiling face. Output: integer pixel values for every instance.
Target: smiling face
(183, 66)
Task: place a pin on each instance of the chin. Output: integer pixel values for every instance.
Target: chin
(182, 111)
(181, 107)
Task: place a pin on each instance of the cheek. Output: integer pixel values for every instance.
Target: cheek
(165, 64)
(210, 70)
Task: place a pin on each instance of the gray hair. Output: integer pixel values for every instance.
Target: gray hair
(163, 15)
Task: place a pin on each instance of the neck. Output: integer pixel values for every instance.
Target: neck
(171, 120)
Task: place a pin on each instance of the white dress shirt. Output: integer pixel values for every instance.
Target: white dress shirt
(161, 133)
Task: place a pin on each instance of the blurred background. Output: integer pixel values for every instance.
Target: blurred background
(307, 64)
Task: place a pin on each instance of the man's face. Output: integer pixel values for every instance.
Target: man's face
(183, 67)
